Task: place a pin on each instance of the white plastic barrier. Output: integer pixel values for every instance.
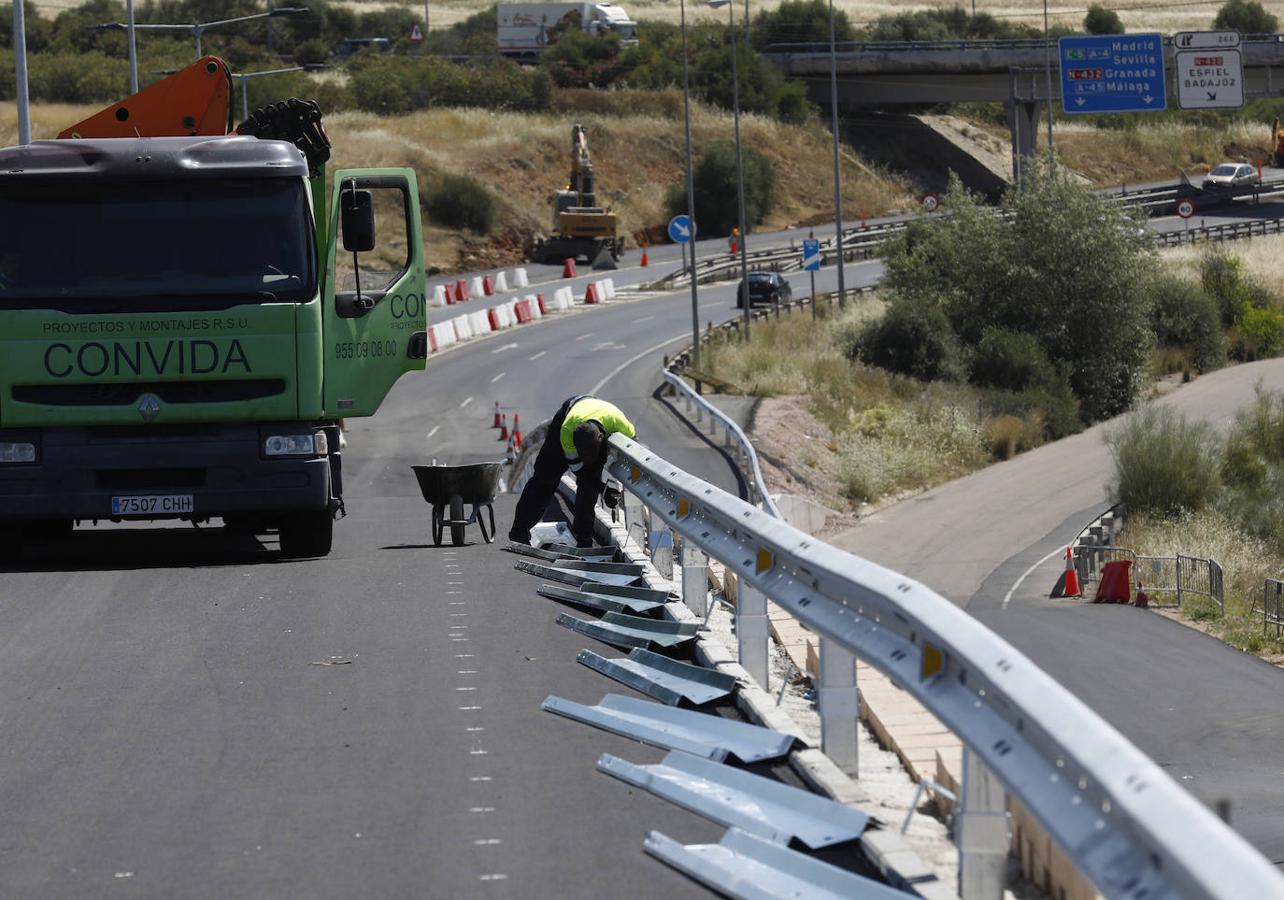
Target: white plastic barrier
(439, 295)
(479, 321)
(463, 328)
(478, 288)
(501, 283)
(564, 298)
(534, 302)
(519, 278)
(609, 285)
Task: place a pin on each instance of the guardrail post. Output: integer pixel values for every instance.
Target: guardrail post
(1179, 584)
(635, 517)
(695, 579)
(982, 828)
(839, 706)
(751, 631)
(659, 545)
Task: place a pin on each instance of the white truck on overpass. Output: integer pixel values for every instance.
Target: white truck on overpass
(528, 29)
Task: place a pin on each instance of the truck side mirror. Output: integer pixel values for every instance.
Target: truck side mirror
(356, 212)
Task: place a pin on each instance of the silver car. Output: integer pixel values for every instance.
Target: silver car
(1231, 175)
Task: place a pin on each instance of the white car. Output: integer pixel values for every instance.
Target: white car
(1231, 175)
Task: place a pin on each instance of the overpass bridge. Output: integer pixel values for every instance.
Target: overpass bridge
(1012, 72)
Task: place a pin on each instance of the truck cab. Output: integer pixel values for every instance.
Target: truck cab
(184, 321)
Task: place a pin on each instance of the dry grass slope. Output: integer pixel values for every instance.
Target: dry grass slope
(523, 159)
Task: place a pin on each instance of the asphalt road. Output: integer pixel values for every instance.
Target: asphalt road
(172, 727)
(1207, 712)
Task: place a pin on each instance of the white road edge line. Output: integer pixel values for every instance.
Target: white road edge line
(434, 430)
(466, 402)
(537, 355)
(631, 360)
(1024, 575)
(497, 377)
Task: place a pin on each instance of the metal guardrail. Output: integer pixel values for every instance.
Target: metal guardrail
(991, 44)
(735, 435)
(865, 242)
(1117, 815)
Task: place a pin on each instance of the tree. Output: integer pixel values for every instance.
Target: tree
(1246, 17)
(1025, 272)
(799, 22)
(716, 207)
(1100, 20)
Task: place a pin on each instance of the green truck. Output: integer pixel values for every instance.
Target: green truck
(184, 324)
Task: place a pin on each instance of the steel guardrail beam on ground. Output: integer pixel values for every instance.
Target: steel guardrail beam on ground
(1117, 815)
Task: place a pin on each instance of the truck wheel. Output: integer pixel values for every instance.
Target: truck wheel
(307, 534)
(49, 530)
(458, 532)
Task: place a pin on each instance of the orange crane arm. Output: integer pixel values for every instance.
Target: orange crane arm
(192, 101)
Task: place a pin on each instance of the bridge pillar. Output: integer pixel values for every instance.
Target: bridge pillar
(1023, 122)
(982, 832)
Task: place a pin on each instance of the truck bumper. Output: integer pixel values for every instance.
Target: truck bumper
(221, 466)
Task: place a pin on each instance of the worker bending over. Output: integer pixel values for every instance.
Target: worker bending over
(576, 440)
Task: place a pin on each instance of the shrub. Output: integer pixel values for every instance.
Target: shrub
(1024, 272)
(1054, 405)
(717, 207)
(912, 340)
(1163, 464)
(391, 86)
(799, 21)
(1246, 17)
(1184, 315)
(457, 201)
(311, 53)
(77, 78)
(1100, 20)
(1258, 333)
(1010, 360)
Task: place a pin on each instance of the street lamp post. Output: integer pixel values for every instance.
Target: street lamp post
(686, 117)
(1047, 68)
(133, 47)
(20, 72)
(196, 29)
(740, 170)
(246, 76)
(838, 178)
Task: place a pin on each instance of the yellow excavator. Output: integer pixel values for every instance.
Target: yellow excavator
(581, 228)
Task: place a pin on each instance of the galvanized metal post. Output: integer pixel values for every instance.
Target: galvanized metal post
(1179, 584)
(695, 579)
(982, 829)
(751, 631)
(133, 47)
(20, 72)
(686, 124)
(838, 178)
(660, 545)
(839, 706)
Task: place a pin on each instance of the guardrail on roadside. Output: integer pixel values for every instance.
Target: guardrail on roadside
(1119, 817)
(1273, 606)
(865, 241)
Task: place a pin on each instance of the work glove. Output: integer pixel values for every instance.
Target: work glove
(611, 496)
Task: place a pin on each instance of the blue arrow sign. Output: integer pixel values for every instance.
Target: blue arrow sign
(1112, 73)
(811, 256)
(680, 229)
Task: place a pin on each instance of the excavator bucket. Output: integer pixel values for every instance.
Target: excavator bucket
(192, 101)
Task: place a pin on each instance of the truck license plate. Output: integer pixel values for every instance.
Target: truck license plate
(152, 504)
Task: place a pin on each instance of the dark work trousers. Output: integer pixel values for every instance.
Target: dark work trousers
(550, 464)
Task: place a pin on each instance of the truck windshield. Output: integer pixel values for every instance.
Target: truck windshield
(155, 245)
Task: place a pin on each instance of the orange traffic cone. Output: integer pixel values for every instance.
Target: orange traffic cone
(497, 421)
(1143, 599)
(517, 433)
(503, 428)
(644, 256)
(734, 247)
(1068, 583)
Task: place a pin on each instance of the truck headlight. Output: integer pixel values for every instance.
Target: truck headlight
(296, 445)
(17, 452)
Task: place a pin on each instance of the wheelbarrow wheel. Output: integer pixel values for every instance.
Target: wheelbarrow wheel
(457, 525)
(436, 524)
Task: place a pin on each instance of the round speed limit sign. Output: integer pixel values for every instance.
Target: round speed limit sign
(931, 202)
(1185, 208)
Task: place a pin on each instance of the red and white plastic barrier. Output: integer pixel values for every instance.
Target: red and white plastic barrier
(478, 287)
(501, 283)
(519, 278)
(439, 295)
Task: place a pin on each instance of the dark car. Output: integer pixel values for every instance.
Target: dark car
(764, 287)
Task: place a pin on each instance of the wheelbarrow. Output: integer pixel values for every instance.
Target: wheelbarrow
(448, 488)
